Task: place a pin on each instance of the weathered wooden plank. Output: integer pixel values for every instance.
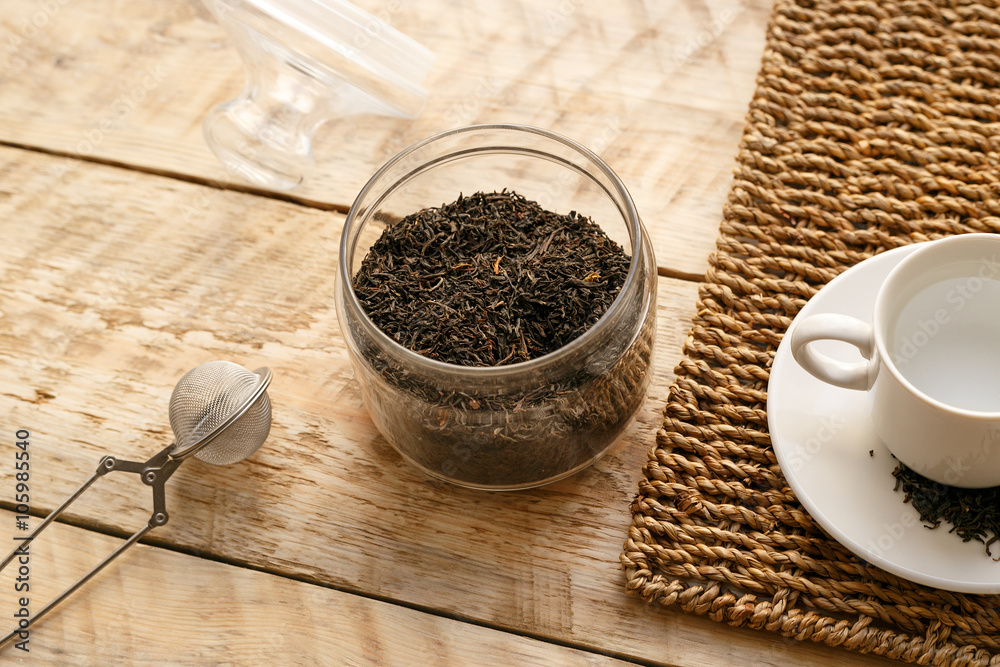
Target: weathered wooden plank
(659, 89)
(113, 283)
(158, 606)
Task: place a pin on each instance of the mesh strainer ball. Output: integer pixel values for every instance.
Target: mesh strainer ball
(220, 413)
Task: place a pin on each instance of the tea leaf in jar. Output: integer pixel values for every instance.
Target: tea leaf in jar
(489, 280)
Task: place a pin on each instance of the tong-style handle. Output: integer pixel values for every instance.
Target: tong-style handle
(154, 472)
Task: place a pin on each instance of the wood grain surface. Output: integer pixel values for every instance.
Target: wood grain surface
(658, 89)
(114, 282)
(155, 605)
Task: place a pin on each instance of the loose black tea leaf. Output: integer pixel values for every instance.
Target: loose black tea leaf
(974, 514)
(489, 280)
(492, 280)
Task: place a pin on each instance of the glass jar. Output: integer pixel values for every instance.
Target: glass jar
(524, 424)
(307, 62)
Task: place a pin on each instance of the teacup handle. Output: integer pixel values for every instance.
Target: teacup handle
(832, 326)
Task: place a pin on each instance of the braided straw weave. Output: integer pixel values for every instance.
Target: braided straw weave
(874, 125)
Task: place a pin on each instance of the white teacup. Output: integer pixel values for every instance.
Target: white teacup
(933, 359)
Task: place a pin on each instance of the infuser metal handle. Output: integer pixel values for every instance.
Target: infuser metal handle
(154, 472)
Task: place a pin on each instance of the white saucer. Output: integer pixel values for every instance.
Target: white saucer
(822, 436)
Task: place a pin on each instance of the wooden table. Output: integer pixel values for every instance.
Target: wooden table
(128, 257)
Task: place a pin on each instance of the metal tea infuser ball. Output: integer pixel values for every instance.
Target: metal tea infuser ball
(219, 413)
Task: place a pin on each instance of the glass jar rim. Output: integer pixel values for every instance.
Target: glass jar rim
(630, 214)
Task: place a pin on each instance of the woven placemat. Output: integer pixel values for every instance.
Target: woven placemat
(874, 125)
